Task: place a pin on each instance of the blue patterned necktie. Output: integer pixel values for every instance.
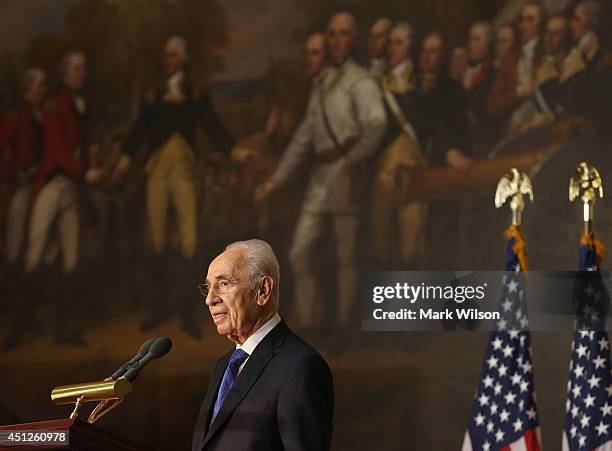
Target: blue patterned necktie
(229, 378)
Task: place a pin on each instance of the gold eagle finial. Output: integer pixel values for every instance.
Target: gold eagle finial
(586, 183)
(515, 185)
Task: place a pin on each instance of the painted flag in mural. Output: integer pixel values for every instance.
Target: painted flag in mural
(588, 409)
(504, 415)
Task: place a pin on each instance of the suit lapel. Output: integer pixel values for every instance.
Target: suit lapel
(209, 401)
(248, 376)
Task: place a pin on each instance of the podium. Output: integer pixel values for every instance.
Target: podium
(67, 434)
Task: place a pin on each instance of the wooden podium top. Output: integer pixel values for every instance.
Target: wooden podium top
(64, 434)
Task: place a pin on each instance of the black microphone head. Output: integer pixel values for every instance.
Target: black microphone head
(160, 347)
(144, 349)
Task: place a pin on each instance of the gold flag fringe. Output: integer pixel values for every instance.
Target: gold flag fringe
(600, 249)
(519, 247)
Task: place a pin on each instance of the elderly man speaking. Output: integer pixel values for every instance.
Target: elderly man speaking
(272, 391)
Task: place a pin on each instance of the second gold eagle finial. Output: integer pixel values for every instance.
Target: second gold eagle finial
(586, 183)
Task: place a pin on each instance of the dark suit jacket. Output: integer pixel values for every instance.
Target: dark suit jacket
(158, 120)
(444, 123)
(283, 399)
(502, 98)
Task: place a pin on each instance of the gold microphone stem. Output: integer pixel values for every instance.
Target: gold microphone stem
(77, 407)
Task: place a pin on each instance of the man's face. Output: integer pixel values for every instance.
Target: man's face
(478, 46)
(314, 55)
(579, 24)
(397, 48)
(76, 72)
(340, 38)
(431, 55)
(379, 33)
(37, 90)
(556, 34)
(529, 23)
(504, 43)
(231, 300)
(172, 59)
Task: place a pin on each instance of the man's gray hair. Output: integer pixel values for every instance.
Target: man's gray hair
(180, 44)
(315, 35)
(542, 11)
(592, 10)
(347, 15)
(260, 261)
(385, 22)
(487, 29)
(30, 76)
(67, 61)
(405, 28)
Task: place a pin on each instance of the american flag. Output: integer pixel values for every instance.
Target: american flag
(504, 415)
(588, 409)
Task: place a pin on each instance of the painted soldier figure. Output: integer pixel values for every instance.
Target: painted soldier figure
(166, 126)
(548, 92)
(21, 136)
(397, 237)
(444, 136)
(377, 45)
(511, 98)
(56, 199)
(342, 128)
(585, 78)
(477, 81)
(444, 130)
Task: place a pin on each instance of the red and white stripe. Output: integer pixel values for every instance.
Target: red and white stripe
(531, 441)
(605, 447)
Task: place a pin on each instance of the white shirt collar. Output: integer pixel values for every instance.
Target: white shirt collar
(174, 82)
(529, 46)
(175, 78)
(584, 41)
(79, 103)
(251, 343)
(399, 69)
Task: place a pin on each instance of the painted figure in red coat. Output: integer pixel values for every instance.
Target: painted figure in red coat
(21, 147)
(21, 153)
(55, 206)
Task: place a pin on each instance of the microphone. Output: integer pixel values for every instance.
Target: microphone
(159, 348)
(144, 349)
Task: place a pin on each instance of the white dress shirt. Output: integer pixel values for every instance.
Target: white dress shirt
(470, 74)
(251, 343)
(174, 88)
(525, 66)
(579, 50)
(527, 109)
(377, 66)
(398, 75)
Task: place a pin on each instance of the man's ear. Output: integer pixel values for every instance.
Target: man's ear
(264, 292)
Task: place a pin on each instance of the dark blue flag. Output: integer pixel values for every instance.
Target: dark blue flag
(588, 409)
